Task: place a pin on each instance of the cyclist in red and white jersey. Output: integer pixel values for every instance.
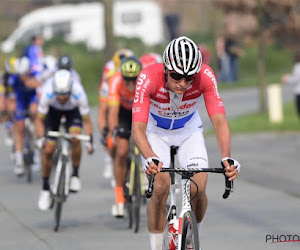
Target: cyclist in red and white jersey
(165, 113)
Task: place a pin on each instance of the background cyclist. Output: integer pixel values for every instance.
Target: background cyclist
(150, 58)
(110, 68)
(62, 96)
(165, 113)
(120, 99)
(24, 84)
(65, 62)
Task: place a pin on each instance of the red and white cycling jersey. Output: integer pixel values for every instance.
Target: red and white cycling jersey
(163, 109)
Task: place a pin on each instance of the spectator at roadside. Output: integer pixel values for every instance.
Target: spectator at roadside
(234, 50)
(222, 60)
(294, 79)
(34, 51)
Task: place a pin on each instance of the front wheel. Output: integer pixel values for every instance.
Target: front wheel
(28, 173)
(190, 237)
(59, 198)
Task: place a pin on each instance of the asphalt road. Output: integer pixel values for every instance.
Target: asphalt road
(265, 202)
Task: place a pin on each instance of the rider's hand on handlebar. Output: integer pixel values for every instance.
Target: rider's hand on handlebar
(152, 167)
(103, 137)
(90, 146)
(232, 171)
(40, 142)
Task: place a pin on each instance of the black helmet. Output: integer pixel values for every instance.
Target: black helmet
(64, 62)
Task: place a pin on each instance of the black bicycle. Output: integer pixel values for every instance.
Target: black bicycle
(134, 187)
(186, 235)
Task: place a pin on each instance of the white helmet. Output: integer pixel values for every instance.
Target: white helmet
(62, 82)
(183, 56)
(22, 65)
(50, 62)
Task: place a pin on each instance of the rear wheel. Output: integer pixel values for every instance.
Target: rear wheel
(190, 237)
(59, 197)
(126, 193)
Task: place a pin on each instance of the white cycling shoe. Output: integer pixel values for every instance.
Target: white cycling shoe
(108, 168)
(19, 170)
(118, 210)
(44, 200)
(75, 184)
(108, 173)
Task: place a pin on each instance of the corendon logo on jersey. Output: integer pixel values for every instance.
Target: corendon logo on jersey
(187, 105)
(183, 106)
(212, 77)
(139, 89)
(166, 111)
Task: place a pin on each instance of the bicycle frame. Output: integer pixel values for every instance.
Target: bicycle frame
(134, 187)
(186, 209)
(64, 157)
(134, 156)
(186, 206)
(60, 188)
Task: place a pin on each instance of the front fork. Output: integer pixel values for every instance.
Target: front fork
(186, 206)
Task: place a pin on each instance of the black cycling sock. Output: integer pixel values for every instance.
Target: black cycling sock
(46, 183)
(75, 171)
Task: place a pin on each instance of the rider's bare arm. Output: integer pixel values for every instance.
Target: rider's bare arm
(222, 132)
(113, 118)
(138, 133)
(102, 115)
(87, 124)
(31, 82)
(39, 125)
(140, 139)
(221, 127)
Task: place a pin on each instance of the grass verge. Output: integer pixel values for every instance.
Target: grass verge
(256, 122)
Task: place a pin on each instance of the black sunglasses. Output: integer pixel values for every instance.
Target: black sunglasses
(178, 77)
(62, 94)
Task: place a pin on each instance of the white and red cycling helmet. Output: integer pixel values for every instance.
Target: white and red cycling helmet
(183, 56)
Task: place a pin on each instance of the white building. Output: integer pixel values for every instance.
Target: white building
(85, 23)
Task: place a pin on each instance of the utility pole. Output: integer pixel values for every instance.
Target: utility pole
(261, 59)
(109, 36)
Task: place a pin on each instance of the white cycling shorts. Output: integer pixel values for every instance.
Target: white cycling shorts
(191, 152)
